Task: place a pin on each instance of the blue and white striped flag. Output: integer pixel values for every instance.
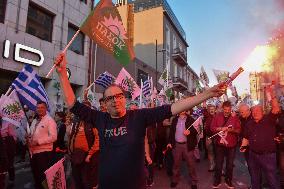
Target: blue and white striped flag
(105, 79)
(29, 88)
(146, 90)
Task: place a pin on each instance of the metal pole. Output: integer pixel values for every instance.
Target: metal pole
(156, 64)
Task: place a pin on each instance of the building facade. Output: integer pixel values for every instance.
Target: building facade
(158, 39)
(42, 29)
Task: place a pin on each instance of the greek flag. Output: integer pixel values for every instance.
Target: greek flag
(146, 90)
(29, 88)
(105, 79)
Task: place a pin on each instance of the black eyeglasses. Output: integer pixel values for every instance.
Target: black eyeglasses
(118, 96)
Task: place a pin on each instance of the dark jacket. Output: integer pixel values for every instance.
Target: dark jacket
(3, 155)
(280, 130)
(191, 138)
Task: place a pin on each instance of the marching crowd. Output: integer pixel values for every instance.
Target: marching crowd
(117, 148)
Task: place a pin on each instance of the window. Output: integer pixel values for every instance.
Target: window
(168, 40)
(84, 1)
(174, 42)
(2, 10)
(39, 23)
(175, 70)
(78, 44)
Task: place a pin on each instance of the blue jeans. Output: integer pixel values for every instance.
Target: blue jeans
(221, 153)
(263, 163)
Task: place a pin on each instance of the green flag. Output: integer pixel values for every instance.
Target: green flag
(104, 26)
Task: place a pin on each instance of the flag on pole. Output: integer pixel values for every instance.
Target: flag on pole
(146, 90)
(141, 95)
(204, 77)
(125, 81)
(105, 27)
(29, 88)
(198, 126)
(55, 176)
(11, 109)
(221, 75)
(165, 80)
(105, 79)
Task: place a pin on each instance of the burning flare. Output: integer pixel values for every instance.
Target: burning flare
(261, 59)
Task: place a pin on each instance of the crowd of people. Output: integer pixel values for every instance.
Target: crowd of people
(118, 148)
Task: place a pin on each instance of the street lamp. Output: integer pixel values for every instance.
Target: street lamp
(163, 50)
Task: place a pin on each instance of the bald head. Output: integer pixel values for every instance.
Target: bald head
(244, 110)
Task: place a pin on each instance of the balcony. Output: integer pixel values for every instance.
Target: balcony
(179, 84)
(179, 57)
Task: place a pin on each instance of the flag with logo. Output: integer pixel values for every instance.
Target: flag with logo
(198, 125)
(221, 75)
(105, 79)
(29, 88)
(125, 81)
(92, 99)
(204, 77)
(55, 176)
(105, 27)
(11, 109)
(163, 80)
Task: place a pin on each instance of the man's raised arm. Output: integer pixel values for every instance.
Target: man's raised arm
(190, 102)
(68, 93)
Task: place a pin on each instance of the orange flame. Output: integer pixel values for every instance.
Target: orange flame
(261, 59)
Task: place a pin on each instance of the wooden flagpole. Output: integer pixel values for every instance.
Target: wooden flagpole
(64, 51)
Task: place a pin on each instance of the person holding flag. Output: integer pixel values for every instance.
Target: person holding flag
(183, 139)
(122, 132)
(227, 128)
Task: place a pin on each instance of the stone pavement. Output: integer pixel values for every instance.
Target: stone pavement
(161, 180)
(241, 177)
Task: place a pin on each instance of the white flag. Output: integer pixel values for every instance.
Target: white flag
(11, 109)
(125, 81)
(55, 176)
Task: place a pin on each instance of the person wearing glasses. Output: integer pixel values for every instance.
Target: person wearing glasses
(121, 131)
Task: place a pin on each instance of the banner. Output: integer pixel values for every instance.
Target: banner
(11, 109)
(55, 176)
(125, 81)
(105, 27)
(221, 75)
(204, 77)
(163, 79)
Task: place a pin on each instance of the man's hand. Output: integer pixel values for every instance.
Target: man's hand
(277, 139)
(230, 128)
(224, 129)
(149, 160)
(60, 63)
(186, 132)
(88, 158)
(217, 90)
(169, 146)
(243, 149)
